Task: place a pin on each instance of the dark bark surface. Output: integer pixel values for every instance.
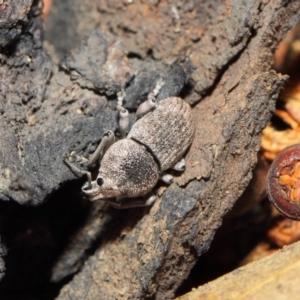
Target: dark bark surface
(215, 51)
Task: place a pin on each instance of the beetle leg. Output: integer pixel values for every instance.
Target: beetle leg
(108, 139)
(146, 106)
(121, 203)
(123, 121)
(151, 199)
(159, 84)
(166, 178)
(77, 171)
(123, 114)
(179, 166)
(120, 96)
(73, 157)
(151, 102)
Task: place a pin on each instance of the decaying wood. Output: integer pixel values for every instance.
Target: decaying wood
(224, 52)
(274, 277)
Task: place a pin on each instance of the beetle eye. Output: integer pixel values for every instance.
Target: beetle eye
(100, 181)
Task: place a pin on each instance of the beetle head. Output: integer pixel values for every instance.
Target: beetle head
(127, 170)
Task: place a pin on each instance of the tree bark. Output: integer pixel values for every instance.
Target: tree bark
(272, 277)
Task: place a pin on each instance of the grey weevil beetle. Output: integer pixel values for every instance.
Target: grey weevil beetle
(131, 167)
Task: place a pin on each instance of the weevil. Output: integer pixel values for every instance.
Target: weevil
(131, 167)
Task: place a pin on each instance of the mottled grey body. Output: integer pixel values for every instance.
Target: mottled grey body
(167, 131)
(131, 167)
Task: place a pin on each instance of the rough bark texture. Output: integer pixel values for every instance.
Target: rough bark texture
(270, 278)
(223, 51)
